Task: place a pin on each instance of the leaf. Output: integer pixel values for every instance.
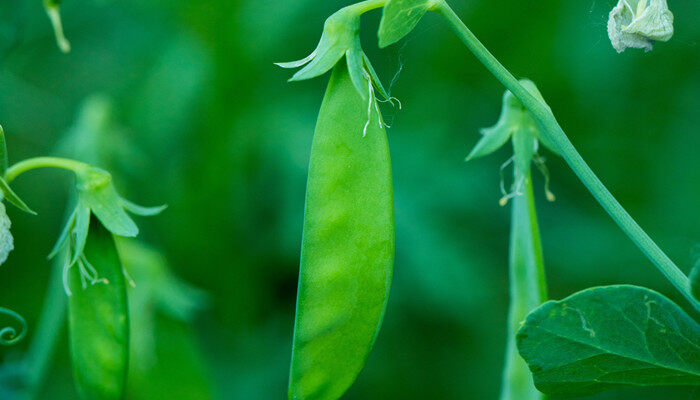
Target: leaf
(610, 337)
(399, 19)
(13, 198)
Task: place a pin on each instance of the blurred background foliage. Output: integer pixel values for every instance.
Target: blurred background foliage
(208, 125)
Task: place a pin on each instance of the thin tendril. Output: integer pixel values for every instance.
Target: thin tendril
(9, 335)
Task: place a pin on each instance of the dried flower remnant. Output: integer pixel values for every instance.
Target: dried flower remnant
(638, 23)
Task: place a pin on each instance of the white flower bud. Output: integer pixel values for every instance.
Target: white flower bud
(6, 240)
(638, 23)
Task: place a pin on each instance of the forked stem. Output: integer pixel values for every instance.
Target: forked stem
(555, 134)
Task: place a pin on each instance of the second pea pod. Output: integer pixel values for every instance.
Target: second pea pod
(347, 252)
(98, 321)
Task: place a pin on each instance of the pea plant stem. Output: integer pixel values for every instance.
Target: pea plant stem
(42, 162)
(528, 288)
(369, 5)
(41, 350)
(554, 132)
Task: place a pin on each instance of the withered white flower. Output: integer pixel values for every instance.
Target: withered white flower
(6, 241)
(638, 23)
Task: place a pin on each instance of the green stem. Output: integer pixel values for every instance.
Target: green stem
(528, 288)
(368, 5)
(43, 162)
(555, 134)
(41, 350)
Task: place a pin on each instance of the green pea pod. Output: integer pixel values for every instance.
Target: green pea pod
(347, 252)
(98, 321)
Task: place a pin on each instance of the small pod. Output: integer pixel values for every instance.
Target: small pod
(98, 321)
(347, 252)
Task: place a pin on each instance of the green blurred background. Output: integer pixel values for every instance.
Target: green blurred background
(214, 130)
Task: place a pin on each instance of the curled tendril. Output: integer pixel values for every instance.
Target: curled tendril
(9, 335)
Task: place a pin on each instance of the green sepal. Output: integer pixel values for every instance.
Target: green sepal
(356, 68)
(492, 139)
(516, 122)
(375, 78)
(96, 189)
(80, 230)
(63, 237)
(399, 18)
(141, 210)
(340, 34)
(13, 198)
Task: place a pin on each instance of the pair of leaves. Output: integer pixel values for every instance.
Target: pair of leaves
(609, 337)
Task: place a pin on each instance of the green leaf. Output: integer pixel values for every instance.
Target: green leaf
(610, 337)
(12, 197)
(399, 19)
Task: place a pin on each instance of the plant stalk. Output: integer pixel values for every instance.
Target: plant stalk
(41, 350)
(528, 288)
(544, 117)
(43, 162)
